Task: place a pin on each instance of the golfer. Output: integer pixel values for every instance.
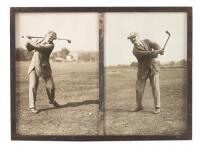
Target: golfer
(146, 53)
(40, 68)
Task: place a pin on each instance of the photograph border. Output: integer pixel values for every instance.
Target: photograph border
(15, 136)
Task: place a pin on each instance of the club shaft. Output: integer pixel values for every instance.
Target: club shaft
(43, 37)
(166, 42)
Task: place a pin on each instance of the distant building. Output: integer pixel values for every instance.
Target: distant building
(72, 57)
(57, 59)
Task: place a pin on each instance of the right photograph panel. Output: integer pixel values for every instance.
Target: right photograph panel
(146, 73)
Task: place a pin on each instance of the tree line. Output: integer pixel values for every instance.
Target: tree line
(24, 55)
(172, 64)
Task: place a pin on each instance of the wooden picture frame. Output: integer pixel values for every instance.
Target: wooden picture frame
(101, 136)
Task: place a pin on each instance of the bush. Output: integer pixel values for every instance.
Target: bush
(23, 55)
(88, 56)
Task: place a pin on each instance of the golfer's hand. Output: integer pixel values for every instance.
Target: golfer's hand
(161, 52)
(28, 37)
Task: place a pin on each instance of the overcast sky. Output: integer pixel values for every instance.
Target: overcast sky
(80, 28)
(118, 50)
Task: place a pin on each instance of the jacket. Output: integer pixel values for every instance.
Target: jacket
(40, 59)
(146, 56)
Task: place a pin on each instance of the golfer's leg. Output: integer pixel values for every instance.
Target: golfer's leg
(50, 87)
(33, 85)
(154, 80)
(140, 86)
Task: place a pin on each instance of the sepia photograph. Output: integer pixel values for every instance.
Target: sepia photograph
(101, 73)
(146, 73)
(56, 60)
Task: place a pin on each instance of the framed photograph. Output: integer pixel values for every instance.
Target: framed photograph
(101, 73)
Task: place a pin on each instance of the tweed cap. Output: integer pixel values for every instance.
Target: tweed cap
(53, 34)
(132, 35)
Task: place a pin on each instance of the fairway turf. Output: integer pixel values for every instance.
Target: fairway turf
(77, 92)
(120, 101)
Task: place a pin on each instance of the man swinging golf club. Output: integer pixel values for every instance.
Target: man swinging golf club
(146, 53)
(40, 68)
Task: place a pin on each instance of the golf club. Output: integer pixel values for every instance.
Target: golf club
(69, 41)
(167, 32)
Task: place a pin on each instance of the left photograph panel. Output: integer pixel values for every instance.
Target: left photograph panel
(56, 73)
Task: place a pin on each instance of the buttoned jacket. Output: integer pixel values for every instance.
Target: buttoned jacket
(40, 59)
(146, 56)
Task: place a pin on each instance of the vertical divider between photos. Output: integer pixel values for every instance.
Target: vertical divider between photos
(100, 120)
(12, 73)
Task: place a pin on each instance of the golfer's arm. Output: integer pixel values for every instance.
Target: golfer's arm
(38, 47)
(140, 53)
(154, 45)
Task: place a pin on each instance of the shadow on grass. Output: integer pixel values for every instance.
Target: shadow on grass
(118, 110)
(129, 111)
(72, 104)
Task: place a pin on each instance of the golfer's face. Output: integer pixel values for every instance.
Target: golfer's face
(135, 40)
(50, 38)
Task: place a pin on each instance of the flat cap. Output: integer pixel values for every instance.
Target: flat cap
(132, 35)
(53, 34)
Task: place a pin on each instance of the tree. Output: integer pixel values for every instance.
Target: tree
(23, 55)
(60, 54)
(63, 53)
(182, 63)
(172, 63)
(134, 64)
(88, 56)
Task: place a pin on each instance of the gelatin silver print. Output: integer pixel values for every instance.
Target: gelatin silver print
(101, 73)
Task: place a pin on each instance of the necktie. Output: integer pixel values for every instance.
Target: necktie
(142, 45)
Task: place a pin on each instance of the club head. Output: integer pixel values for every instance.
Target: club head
(69, 41)
(167, 32)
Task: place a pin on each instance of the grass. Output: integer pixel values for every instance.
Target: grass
(77, 91)
(120, 102)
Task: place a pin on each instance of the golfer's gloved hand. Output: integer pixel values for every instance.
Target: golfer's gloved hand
(161, 52)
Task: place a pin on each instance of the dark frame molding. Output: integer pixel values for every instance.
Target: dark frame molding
(14, 10)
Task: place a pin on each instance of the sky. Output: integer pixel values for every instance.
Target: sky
(80, 28)
(151, 25)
